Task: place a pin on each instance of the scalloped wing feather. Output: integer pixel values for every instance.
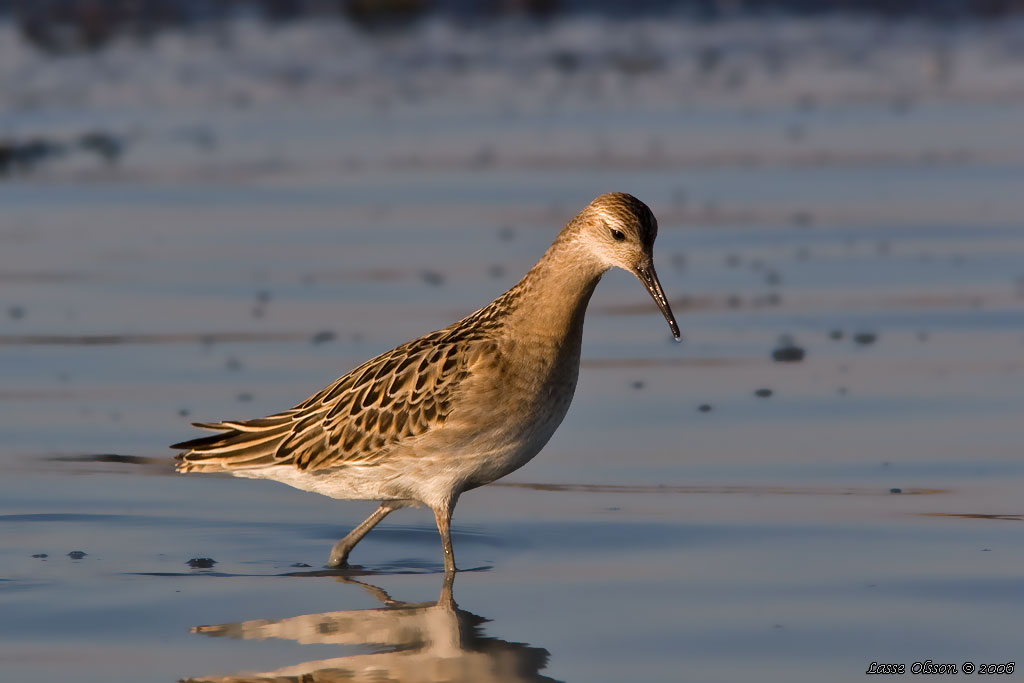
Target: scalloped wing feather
(359, 418)
(365, 414)
(395, 397)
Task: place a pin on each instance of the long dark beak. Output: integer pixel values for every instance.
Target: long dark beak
(649, 277)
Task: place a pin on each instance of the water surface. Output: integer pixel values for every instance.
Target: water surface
(867, 510)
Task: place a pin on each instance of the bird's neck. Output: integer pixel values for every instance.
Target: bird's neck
(552, 298)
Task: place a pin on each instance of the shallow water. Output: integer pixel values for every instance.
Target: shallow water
(868, 510)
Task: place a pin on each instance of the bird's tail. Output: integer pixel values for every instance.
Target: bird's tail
(239, 444)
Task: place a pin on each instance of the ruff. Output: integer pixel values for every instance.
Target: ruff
(457, 408)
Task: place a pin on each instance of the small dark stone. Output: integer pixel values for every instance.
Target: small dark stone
(704, 408)
(77, 554)
(233, 364)
(432, 278)
(201, 562)
(299, 564)
(244, 397)
(865, 338)
(895, 490)
(322, 337)
(41, 555)
(788, 354)
(835, 334)
(637, 384)
(16, 312)
(183, 412)
(763, 393)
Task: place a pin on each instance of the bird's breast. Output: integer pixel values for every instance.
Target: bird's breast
(510, 409)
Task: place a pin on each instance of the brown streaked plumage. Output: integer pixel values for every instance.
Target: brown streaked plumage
(457, 408)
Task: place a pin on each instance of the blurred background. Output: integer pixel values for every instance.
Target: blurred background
(209, 210)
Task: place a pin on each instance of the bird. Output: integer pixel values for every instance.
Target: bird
(457, 408)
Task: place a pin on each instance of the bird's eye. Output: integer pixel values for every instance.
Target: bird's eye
(618, 235)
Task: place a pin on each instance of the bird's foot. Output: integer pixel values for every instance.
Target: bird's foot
(339, 556)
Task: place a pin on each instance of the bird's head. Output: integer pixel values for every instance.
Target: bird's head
(619, 230)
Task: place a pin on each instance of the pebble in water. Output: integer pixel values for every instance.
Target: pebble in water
(201, 562)
(432, 278)
(865, 338)
(787, 351)
(77, 554)
(763, 393)
(322, 337)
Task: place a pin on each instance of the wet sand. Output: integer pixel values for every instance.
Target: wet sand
(679, 526)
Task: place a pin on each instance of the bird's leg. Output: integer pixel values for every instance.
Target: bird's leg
(341, 549)
(443, 515)
(446, 598)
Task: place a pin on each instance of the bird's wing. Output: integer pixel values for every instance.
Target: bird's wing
(386, 401)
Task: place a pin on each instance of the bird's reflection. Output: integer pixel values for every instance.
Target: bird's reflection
(421, 643)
